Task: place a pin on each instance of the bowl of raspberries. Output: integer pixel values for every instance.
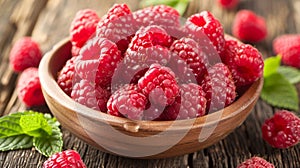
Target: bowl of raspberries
(148, 83)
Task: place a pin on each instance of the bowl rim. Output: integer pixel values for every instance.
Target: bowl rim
(50, 86)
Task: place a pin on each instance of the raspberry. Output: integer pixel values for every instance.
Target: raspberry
(29, 88)
(228, 4)
(118, 26)
(288, 46)
(188, 52)
(284, 42)
(75, 50)
(256, 162)
(65, 78)
(97, 61)
(291, 57)
(64, 159)
(83, 26)
(249, 27)
(25, 53)
(164, 16)
(204, 23)
(219, 87)
(90, 95)
(190, 103)
(229, 50)
(148, 46)
(159, 84)
(282, 130)
(127, 101)
(244, 61)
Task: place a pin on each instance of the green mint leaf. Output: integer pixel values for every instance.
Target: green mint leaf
(35, 124)
(278, 92)
(27, 129)
(179, 5)
(290, 73)
(50, 144)
(16, 142)
(145, 3)
(271, 65)
(10, 124)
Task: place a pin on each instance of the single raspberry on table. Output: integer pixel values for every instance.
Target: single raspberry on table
(65, 78)
(166, 17)
(218, 84)
(29, 88)
(187, 54)
(206, 29)
(256, 162)
(149, 45)
(248, 26)
(90, 95)
(83, 26)
(283, 42)
(228, 4)
(159, 84)
(282, 130)
(244, 61)
(291, 57)
(97, 61)
(25, 53)
(127, 102)
(64, 159)
(288, 46)
(118, 25)
(190, 103)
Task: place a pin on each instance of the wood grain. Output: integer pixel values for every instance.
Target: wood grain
(283, 16)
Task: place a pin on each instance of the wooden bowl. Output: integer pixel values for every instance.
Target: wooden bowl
(138, 139)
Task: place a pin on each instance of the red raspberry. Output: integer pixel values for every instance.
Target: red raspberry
(164, 16)
(25, 53)
(90, 95)
(118, 26)
(204, 23)
(249, 27)
(228, 4)
(282, 130)
(190, 103)
(288, 46)
(188, 54)
(97, 61)
(219, 87)
(256, 162)
(83, 26)
(65, 78)
(148, 46)
(64, 159)
(244, 61)
(291, 57)
(29, 88)
(127, 101)
(284, 42)
(75, 50)
(229, 50)
(159, 84)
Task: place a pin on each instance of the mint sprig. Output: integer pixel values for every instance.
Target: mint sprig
(278, 89)
(30, 129)
(179, 5)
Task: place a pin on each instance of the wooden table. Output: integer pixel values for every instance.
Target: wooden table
(48, 22)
